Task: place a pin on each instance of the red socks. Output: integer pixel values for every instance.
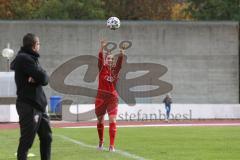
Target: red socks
(112, 133)
(100, 128)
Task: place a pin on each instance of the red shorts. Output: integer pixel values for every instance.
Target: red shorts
(109, 105)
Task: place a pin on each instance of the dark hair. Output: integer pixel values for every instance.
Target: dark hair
(29, 40)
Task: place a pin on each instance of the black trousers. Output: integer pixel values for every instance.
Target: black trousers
(33, 122)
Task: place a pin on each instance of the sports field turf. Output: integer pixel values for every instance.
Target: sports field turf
(155, 143)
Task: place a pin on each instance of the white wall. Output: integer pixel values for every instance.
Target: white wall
(7, 84)
(8, 113)
(178, 111)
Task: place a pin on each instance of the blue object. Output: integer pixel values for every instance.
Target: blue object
(55, 104)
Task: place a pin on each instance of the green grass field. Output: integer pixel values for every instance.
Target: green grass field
(155, 143)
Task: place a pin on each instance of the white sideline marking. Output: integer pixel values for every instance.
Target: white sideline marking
(124, 153)
(164, 125)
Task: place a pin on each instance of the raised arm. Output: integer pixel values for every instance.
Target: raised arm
(100, 60)
(119, 61)
(100, 54)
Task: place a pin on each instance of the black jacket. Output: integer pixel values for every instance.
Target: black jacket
(26, 65)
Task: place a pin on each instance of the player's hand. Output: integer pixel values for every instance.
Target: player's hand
(103, 43)
(122, 51)
(124, 46)
(31, 80)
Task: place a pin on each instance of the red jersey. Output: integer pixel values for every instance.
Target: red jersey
(108, 76)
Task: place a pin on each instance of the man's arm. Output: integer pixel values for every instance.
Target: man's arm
(164, 100)
(34, 71)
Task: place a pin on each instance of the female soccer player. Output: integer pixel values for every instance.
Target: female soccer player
(107, 96)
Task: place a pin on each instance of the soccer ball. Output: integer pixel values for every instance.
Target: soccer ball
(113, 23)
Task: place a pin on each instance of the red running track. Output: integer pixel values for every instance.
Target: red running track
(60, 124)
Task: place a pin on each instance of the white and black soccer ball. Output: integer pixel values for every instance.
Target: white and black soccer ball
(113, 23)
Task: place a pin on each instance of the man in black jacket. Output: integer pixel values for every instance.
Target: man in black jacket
(31, 100)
